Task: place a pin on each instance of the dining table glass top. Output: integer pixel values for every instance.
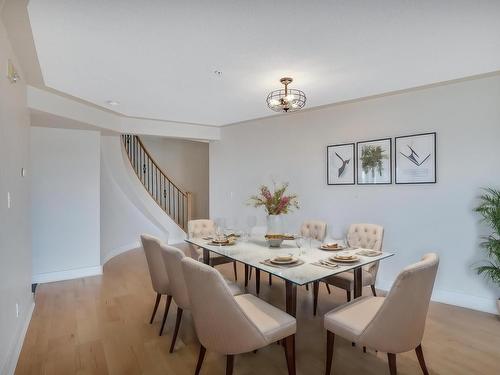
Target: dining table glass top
(254, 251)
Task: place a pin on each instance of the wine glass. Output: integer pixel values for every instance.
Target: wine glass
(299, 241)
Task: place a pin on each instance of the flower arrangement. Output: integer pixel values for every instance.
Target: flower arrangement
(276, 202)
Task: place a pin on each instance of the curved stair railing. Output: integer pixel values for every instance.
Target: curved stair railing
(175, 202)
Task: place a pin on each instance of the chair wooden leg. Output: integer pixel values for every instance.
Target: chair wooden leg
(250, 274)
(348, 292)
(167, 307)
(229, 364)
(330, 340)
(201, 357)
(328, 288)
(315, 294)
(176, 331)
(289, 343)
(364, 349)
(235, 269)
(270, 280)
(373, 290)
(421, 360)
(392, 363)
(157, 302)
(307, 287)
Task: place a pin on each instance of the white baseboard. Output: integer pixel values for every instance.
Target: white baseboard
(457, 299)
(465, 300)
(15, 351)
(119, 250)
(67, 274)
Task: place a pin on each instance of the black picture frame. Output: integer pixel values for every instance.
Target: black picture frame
(359, 180)
(329, 177)
(418, 161)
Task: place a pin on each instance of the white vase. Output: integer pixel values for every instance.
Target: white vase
(275, 224)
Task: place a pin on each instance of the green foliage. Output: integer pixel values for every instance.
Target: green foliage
(372, 158)
(489, 209)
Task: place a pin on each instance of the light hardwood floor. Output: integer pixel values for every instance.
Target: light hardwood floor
(99, 325)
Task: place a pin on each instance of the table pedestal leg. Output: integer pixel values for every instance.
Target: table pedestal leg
(246, 274)
(257, 281)
(358, 282)
(291, 298)
(206, 256)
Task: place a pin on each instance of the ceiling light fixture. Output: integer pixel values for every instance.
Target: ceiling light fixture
(286, 100)
(113, 102)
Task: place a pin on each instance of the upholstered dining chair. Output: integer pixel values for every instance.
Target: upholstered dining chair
(232, 325)
(202, 228)
(315, 229)
(158, 274)
(172, 258)
(367, 236)
(392, 324)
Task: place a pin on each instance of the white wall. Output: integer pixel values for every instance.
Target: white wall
(127, 209)
(15, 244)
(186, 163)
(417, 218)
(65, 203)
(122, 222)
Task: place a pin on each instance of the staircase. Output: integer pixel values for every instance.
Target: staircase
(174, 202)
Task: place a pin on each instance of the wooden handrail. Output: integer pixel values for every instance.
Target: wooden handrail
(175, 203)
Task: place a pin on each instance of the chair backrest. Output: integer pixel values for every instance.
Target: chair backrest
(157, 270)
(399, 324)
(314, 229)
(367, 236)
(172, 258)
(200, 228)
(220, 323)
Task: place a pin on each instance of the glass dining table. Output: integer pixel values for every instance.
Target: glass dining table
(313, 265)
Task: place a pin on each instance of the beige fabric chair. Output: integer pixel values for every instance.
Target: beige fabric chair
(394, 324)
(232, 325)
(172, 258)
(314, 229)
(158, 274)
(367, 236)
(203, 228)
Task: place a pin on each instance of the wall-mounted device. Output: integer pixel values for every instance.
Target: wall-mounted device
(12, 74)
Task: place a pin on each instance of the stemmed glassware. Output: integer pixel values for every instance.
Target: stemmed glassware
(300, 242)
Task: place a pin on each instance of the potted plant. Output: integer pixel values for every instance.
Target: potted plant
(489, 209)
(276, 204)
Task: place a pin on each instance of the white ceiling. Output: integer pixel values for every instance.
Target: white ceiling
(157, 57)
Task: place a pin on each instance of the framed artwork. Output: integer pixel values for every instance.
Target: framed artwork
(374, 162)
(340, 166)
(416, 159)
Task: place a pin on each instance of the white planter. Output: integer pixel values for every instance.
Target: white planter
(275, 224)
(498, 306)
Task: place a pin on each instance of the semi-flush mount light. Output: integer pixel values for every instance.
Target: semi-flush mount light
(113, 102)
(286, 100)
